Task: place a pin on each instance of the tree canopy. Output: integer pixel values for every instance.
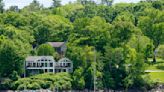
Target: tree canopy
(114, 39)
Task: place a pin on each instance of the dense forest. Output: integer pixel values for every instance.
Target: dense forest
(115, 39)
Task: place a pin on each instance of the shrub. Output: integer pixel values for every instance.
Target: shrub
(24, 81)
(33, 86)
(21, 87)
(6, 84)
(14, 76)
(46, 85)
(47, 80)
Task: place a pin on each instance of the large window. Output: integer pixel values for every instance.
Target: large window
(51, 70)
(64, 70)
(51, 64)
(69, 64)
(45, 64)
(42, 65)
(34, 64)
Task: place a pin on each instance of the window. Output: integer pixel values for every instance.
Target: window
(34, 64)
(56, 70)
(51, 64)
(51, 70)
(45, 64)
(69, 64)
(28, 64)
(60, 64)
(64, 70)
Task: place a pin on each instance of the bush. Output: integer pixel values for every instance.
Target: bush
(6, 84)
(46, 85)
(43, 84)
(19, 82)
(160, 51)
(33, 86)
(47, 80)
(14, 76)
(21, 87)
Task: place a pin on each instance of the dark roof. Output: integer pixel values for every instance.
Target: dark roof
(56, 44)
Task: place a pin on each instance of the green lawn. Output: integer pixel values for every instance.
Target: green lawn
(159, 65)
(157, 76)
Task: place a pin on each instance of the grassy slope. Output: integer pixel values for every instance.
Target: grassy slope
(157, 76)
(159, 66)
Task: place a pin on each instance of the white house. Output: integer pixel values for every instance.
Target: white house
(42, 64)
(64, 65)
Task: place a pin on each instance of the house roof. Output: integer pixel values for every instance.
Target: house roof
(56, 44)
(34, 58)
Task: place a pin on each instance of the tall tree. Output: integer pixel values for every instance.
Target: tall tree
(33, 7)
(45, 50)
(56, 3)
(13, 8)
(142, 44)
(152, 26)
(122, 67)
(107, 2)
(1, 6)
(10, 59)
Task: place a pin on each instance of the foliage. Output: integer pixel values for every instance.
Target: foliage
(45, 50)
(142, 44)
(160, 51)
(108, 41)
(1, 6)
(56, 3)
(123, 66)
(60, 80)
(6, 84)
(78, 79)
(9, 58)
(14, 76)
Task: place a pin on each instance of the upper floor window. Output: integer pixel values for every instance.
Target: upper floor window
(51, 64)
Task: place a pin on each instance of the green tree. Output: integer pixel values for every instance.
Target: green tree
(78, 79)
(10, 59)
(56, 3)
(33, 7)
(92, 32)
(151, 24)
(124, 66)
(1, 6)
(15, 19)
(14, 76)
(13, 8)
(107, 2)
(45, 50)
(160, 51)
(121, 33)
(142, 44)
(52, 28)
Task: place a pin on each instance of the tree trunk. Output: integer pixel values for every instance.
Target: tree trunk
(154, 54)
(154, 59)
